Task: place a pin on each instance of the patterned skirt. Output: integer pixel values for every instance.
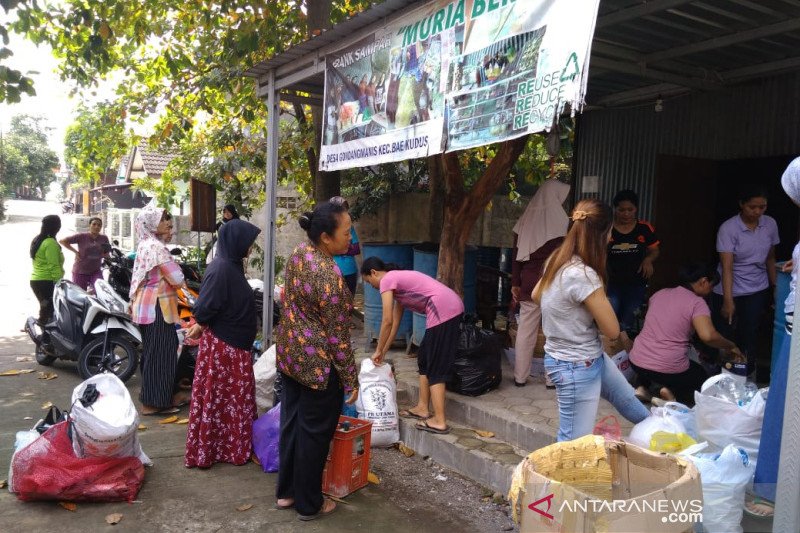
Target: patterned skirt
(223, 405)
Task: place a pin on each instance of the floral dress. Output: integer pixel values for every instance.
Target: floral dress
(314, 333)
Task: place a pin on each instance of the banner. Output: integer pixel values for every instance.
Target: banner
(454, 75)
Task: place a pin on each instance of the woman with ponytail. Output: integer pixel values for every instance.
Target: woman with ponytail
(575, 310)
(48, 265)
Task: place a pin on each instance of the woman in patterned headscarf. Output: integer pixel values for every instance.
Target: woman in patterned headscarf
(154, 307)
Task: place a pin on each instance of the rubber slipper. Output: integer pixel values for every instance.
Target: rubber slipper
(165, 411)
(183, 403)
(759, 501)
(423, 426)
(319, 514)
(642, 398)
(406, 413)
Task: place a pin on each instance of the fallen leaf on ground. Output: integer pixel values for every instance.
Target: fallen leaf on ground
(405, 450)
(245, 507)
(3, 483)
(483, 433)
(47, 376)
(24, 359)
(182, 421)
(10, 372)
(168, 420)
(47, 405)
(373, 478)
(142, 427)
(113, 518)
(254, 458)
(69, 506)
(25, 394)
(27, 371)
(28, 418)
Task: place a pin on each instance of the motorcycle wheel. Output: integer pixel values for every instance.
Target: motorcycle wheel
(42, 358)
(124, 363)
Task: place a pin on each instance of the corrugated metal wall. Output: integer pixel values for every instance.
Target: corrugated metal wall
(620, 145)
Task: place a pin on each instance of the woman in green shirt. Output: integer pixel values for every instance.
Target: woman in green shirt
(48, 266)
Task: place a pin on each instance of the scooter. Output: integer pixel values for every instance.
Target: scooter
(94, 330)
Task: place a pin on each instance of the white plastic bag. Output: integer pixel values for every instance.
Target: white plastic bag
(107, 427)
(265, 370)
(377, 402)
(682, 413)
(657, 421)
(721, 422)
(724, 480)
(22, 439)
(623, 362)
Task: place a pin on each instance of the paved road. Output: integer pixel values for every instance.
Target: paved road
(172, 498)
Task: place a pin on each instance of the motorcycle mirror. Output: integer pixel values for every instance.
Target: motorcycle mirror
(116, 242)
(176, 251)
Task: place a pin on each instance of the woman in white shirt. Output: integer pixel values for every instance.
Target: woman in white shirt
(575, 310)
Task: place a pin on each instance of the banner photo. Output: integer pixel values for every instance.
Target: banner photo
(454, 75)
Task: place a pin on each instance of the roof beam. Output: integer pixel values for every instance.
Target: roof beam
(630, 13)
(640, 94)
(726, 40)
(648, 73)
(615, 51)
(772, 67)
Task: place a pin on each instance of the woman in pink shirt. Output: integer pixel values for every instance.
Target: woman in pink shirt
(443, 308)
(92, 247)
(659, 353)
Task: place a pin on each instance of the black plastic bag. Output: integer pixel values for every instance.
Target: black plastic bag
(477, 367)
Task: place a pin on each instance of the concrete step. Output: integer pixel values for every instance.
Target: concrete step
(488, 461)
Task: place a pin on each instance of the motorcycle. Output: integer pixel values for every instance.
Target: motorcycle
(67, 207)
(94, 330)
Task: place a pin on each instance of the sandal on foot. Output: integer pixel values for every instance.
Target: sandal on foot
(319, 514)
(284, 506)
(423, 426)
(407, 413)
(165, 411)
(767, 505)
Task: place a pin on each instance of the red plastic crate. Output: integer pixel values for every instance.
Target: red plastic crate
(347, 467)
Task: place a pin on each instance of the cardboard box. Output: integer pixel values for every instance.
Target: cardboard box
(614, 487)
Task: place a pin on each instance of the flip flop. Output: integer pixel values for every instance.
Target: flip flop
(319, 514)
(759, 501)
(283, 507)
(165, 411)
(406, 413)
(423, 426)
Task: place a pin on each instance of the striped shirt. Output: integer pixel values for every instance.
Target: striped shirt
(159, 284)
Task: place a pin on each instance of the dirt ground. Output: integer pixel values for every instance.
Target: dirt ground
(430, 488)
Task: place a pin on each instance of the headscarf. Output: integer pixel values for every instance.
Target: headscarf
(51, 224)
(151, 251)
(791, 180)
(544, 218)
(232, 210)
(235, 238)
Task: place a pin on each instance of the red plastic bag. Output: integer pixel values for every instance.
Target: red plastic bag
(609, 428)
(47, 469)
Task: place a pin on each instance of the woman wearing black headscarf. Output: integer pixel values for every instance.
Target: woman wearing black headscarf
(223, 393)
(48, 265)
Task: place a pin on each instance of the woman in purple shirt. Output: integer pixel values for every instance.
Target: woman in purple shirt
(92, 247)
(746, 245)
(443, 309)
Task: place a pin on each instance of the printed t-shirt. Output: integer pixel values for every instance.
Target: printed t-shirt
(750, 249)
(662, 344)
(422, 294)
(626, 251)
(569, 328)
(91, 250)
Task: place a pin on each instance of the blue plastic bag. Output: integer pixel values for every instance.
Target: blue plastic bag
(349, 409)
(266, 438)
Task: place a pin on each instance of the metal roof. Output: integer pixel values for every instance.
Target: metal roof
(641, 48)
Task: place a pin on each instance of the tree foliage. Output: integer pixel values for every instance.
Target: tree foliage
(13, 83)
(95, 141)
(26, 158)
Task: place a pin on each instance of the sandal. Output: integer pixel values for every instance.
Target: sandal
(407, 413)
(319, 514)
(764, 504)
(164, 411)
(423, 426)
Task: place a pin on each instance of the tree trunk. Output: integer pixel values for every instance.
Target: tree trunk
(436, 186)
(462, 209)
